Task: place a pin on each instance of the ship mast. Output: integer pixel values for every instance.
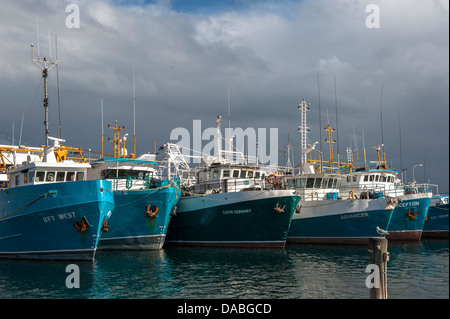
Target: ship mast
(45, 65)
(303, 129)
(119, 150)
(330, 142)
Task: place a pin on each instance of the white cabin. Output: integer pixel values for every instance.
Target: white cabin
(316, 186)
(46, 169)
(371, 183)
(125, 173)
(35, 173)
(223, 178)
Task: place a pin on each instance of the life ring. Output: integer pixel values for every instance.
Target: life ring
(152, 211)
(272, 179)
(411, 215)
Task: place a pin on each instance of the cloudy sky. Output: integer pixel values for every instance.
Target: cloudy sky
(269, 55)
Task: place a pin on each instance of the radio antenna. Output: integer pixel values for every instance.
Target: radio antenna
(134, 114)
(45, 65)
(57, 86)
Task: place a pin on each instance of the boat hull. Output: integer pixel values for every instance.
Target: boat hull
(33, 226)
(129, 227)
(409, 217)
(339, 221)
(235, 219)
(437, 222)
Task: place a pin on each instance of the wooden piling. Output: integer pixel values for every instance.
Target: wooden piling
(379, 256)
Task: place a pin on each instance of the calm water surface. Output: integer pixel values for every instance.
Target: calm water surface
(309, 272)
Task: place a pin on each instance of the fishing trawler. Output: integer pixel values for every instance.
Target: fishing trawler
(228, 202)
(144, 199)
(48, 210)
(436, 222)
(325, 215)
(381, 182)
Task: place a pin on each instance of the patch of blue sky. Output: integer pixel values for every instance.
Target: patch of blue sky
(210, 6)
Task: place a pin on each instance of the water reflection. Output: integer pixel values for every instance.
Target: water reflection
(414, 271)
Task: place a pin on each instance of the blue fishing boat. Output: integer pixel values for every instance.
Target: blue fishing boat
(240, 211)
(51, 211)
(409, 214)
(228, 203)
(324, 215)
(144, 199)
(437, 222)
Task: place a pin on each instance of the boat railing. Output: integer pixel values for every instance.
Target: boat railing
(427, 187)
(365, 191)
(229, 185)
(133, 182)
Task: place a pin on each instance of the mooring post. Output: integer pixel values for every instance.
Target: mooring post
(379, 256)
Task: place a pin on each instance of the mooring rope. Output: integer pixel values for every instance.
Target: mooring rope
(34, 200)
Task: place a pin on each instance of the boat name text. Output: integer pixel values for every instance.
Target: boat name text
(355, 215)
(63, 216)
(408, 204)
(236, 211)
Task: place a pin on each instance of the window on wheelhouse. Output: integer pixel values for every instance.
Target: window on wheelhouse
(235, 173)
(300, 182)
(50, 177)
(310, 183)
(291, 183)
(257, 175)
(60, 176)
(226, 173)
(330, 183)
(80, 176)
(318, 183)
(335, 183)
(70, 177)
(39, 177)
(121, 173)
(243, 174)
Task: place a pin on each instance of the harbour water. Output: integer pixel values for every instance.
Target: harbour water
(415, 271)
